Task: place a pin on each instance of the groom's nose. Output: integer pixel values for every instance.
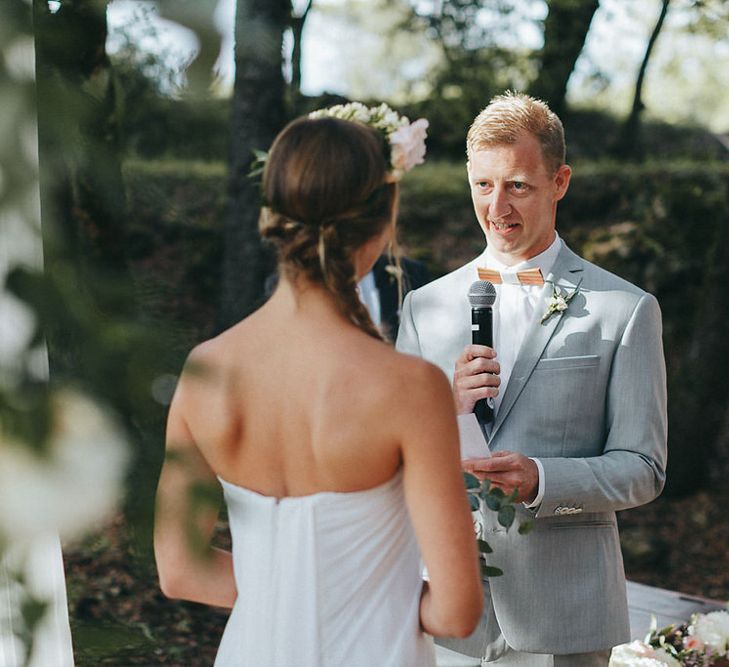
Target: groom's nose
(499, 206)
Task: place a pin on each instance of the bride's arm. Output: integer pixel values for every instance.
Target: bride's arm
(189, 568)
(434, 490)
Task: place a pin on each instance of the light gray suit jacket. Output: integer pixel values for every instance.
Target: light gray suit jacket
(587, 396)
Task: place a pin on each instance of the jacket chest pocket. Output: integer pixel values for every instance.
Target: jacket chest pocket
(566, 400)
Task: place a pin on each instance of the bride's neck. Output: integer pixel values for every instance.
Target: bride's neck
(295, 297)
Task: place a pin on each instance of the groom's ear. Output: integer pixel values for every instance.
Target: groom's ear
(562, 181)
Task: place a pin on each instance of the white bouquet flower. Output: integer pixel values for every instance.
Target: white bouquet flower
(712, 630)
(704, 642)
(638, 654)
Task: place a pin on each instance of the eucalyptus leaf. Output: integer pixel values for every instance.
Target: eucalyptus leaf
(493, 502)
(497, 493)
(484, 547)
(490, 571)
(506, 516)
(525, 527)
(473, 502)
(471, 481)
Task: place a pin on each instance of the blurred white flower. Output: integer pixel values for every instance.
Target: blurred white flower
(712, 629)
(408, 145)
(638, 654)
(17, 324)
(20, 58)
(75, 485)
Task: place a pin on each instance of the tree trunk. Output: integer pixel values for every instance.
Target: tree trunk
(297, 28)
(629, 141)
(83, 202)
(565, 31)
(258, 115)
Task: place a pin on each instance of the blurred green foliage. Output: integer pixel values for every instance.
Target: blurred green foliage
(654, 224)
(158, 126)
(645, 208)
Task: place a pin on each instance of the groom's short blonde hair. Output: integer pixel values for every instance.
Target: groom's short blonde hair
(508, 116)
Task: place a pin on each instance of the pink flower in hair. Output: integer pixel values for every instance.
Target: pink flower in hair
(408, 145)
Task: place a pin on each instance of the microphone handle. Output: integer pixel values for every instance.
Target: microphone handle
(482, 333)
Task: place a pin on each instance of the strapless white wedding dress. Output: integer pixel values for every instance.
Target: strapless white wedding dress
(325, 580)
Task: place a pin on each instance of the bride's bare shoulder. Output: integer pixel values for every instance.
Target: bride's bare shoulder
(216, 352)
(209, 363)
(410, 378)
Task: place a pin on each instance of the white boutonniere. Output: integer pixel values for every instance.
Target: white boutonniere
(559, 301)
(394, 271)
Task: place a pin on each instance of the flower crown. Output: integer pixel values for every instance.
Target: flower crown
(405, 139)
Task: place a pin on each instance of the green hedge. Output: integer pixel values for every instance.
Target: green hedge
(651, 224)
(658, 225)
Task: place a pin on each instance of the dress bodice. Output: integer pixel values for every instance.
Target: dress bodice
(324, 580)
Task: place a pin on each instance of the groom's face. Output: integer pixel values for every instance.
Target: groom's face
(515, 197)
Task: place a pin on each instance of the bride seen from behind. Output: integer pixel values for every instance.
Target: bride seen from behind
(338, 456)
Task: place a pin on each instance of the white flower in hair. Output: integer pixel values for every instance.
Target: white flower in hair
(406, 139)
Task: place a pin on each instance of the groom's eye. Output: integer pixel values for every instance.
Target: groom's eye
(519, 186)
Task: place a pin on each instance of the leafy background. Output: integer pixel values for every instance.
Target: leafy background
(150, 244)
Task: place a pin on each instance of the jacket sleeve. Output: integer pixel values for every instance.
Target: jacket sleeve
(631, 469)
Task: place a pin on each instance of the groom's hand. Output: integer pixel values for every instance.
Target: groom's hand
(507, 471)
(476, 377)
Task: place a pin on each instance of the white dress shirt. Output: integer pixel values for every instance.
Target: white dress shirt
(370, 297)
(513, 312)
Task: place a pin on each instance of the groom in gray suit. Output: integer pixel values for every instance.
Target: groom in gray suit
(577, 377)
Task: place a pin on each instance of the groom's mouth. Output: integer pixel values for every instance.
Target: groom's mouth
(502, 226)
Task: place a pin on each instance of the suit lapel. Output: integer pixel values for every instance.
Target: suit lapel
(565, 274)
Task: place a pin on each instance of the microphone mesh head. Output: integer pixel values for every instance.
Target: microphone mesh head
(482, 294)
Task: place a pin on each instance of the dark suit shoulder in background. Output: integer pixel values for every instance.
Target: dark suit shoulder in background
(415, 274)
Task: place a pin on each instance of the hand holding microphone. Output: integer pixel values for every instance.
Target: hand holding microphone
(476, 377)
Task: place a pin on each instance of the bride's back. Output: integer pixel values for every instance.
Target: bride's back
(295, 400)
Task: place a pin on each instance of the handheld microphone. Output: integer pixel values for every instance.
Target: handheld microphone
(481, 296)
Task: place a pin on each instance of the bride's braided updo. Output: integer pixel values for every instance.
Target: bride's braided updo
(326, 193)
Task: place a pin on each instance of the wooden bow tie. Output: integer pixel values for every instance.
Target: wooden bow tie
(528, 277)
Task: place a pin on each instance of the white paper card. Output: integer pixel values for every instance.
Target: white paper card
(473, 442)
